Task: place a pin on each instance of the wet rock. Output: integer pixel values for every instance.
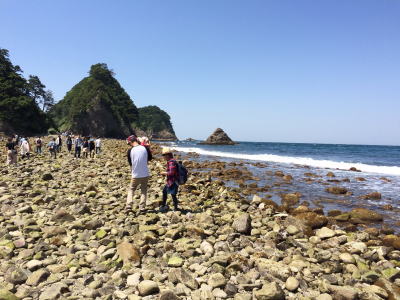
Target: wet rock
(365, 215)
(372, 196)
(290, 199)
(337, 190)
(312, 219)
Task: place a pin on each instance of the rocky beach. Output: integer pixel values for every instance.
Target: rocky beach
(65, 234)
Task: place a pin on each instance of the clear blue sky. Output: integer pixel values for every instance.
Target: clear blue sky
(290, 71)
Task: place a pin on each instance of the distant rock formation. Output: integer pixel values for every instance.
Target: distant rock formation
(99, 106)
(155, 123)
(219, 137)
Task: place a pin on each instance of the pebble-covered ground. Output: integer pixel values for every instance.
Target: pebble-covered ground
(65, 234)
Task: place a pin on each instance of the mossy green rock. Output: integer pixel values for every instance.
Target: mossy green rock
(91, 194)
(343, 217)
(391, 273)
(101, 234)
(7, 295)
(363, 267)
(175, 261)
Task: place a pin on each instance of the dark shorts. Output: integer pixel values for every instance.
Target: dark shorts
(172, 190)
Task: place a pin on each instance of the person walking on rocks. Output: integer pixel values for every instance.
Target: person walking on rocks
(59, 143)
(69, 144)
(39, 143)
(91, 147)
(25, 148)
(138, 159)
(78, 146)
(172, 175)
(11, 152)
(98, 145)
(85, 147)
(52, 146)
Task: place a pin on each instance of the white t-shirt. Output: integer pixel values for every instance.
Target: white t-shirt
(139, 162)
(98, 143)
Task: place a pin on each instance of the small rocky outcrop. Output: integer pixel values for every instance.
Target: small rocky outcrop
(219, 137)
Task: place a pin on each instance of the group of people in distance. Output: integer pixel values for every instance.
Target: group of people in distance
(83, 146)
(88, 146)
(139, 154)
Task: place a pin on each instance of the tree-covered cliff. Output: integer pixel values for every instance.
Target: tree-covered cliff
(19, 98)
(97, 105)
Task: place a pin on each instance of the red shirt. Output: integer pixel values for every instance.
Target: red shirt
(172, 172)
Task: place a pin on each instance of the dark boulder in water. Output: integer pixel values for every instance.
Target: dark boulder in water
(219, 137)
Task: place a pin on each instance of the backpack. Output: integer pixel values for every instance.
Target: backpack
(182, 173)
(129, 156)
(149, 154)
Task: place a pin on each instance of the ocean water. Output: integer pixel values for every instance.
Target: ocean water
(379, 166)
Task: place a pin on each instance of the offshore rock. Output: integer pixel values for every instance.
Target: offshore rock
(219, 137)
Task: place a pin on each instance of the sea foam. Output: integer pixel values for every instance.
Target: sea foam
(388, 170)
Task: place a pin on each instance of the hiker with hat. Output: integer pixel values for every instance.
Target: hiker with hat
(138, 158)
(172, 175)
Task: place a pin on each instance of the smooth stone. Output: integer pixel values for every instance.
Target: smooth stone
(270, 291)
(347, 258)
(54, 291)
(325, 233)
(148, 287)
(38, 276)
(133, 280)
(217, 280)
(292, 284)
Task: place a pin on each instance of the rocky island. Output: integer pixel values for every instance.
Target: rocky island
(218, 137)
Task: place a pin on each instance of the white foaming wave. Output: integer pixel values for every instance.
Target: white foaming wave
(389, 170)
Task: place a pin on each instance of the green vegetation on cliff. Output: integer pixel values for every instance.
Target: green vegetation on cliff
(19, 112)
(97, 105)
(156, 123)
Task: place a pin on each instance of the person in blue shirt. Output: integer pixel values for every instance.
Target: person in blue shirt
(52, 146)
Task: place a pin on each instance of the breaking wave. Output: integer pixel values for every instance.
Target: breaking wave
(389, 170)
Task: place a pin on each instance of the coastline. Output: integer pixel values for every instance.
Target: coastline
(66, 231)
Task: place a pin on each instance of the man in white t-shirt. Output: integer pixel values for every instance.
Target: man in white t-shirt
(138, 158)
(98, 145)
